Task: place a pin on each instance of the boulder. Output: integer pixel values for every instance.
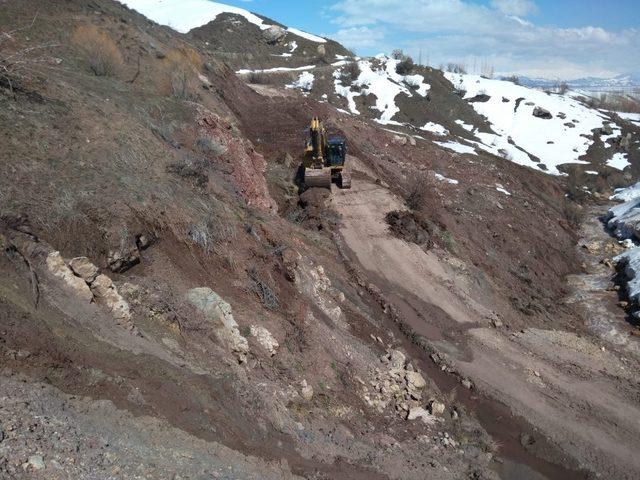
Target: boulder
(306, 390)
(397, 359)
(55, 264)
(290, 260)
(421, 413)
(123, 253)
(625, 142)
(570, 125)
(543, 113)
(322, 51)
(415, 380)
(561, 115)
(219, 312)
(274, 34)
(107, 294)
(265, 339)
(480, 98)
(84, 269)
(436, 408)
(213, 306)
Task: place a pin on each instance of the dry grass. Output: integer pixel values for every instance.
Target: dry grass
(181, 67)
(105, 59)
(20, 59)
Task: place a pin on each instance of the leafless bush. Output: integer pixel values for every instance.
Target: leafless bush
(105, 59)
(265, 293)
(405, 63)
(416, 193)
(18, 62)
(350, 73)
(209, 235)
(181, 67)
(258, 78)
(563, 88)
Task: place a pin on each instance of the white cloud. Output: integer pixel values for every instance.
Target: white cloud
(459, 30)
(519, 8)
(360, 37)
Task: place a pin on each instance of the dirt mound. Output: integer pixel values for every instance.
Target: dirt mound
(411, 227)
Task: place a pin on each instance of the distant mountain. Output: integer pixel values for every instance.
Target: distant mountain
(619, 83)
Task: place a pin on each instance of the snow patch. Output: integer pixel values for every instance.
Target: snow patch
(550, 140)
(304, 82)
(185, 15)
(618, 161)
(277, 69)
(442, 178)
(457, 147)
(435, 128)
(501, 189)
(308, 36)
(466, 126)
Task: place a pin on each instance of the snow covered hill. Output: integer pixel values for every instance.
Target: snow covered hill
(185, 15)
(467, 114)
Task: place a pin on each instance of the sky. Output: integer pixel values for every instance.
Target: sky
(563, 39)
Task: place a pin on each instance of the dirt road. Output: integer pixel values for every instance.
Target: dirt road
(579, 395)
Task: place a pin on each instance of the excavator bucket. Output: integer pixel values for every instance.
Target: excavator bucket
(345, 178)
(317, 177)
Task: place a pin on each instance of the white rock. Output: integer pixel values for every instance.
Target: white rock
(55, 264)
(306, 390)
(421, 413)
(437, 408)
(264, 338)
(415, 380)
(84, 269)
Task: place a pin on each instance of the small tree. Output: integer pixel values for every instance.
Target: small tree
(105, 59)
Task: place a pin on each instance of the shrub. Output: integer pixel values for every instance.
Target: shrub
(258, 78)
(181, 68)
(102, 52)
(416, 193)
(350, 73)
(264, 292)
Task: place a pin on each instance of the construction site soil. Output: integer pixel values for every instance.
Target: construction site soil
(272, 332)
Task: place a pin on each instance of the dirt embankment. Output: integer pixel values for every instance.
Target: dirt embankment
(255, 343)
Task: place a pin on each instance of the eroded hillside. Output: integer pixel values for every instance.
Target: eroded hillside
(174, 305)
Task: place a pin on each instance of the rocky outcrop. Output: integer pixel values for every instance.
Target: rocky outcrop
(247, 166)
(84, 269)
(312, 281)
(274, 34)
(219, 313)
(56, 266)
(107, 295)
(543, 113)
(398, 385)
(265, 339)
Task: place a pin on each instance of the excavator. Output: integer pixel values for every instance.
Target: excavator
(324, 159)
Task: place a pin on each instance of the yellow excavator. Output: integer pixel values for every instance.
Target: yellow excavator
(325, 159)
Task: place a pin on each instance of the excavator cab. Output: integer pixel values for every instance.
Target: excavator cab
(337, 151)
(325, 159)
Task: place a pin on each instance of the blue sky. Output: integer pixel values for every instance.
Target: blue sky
(554, 39)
